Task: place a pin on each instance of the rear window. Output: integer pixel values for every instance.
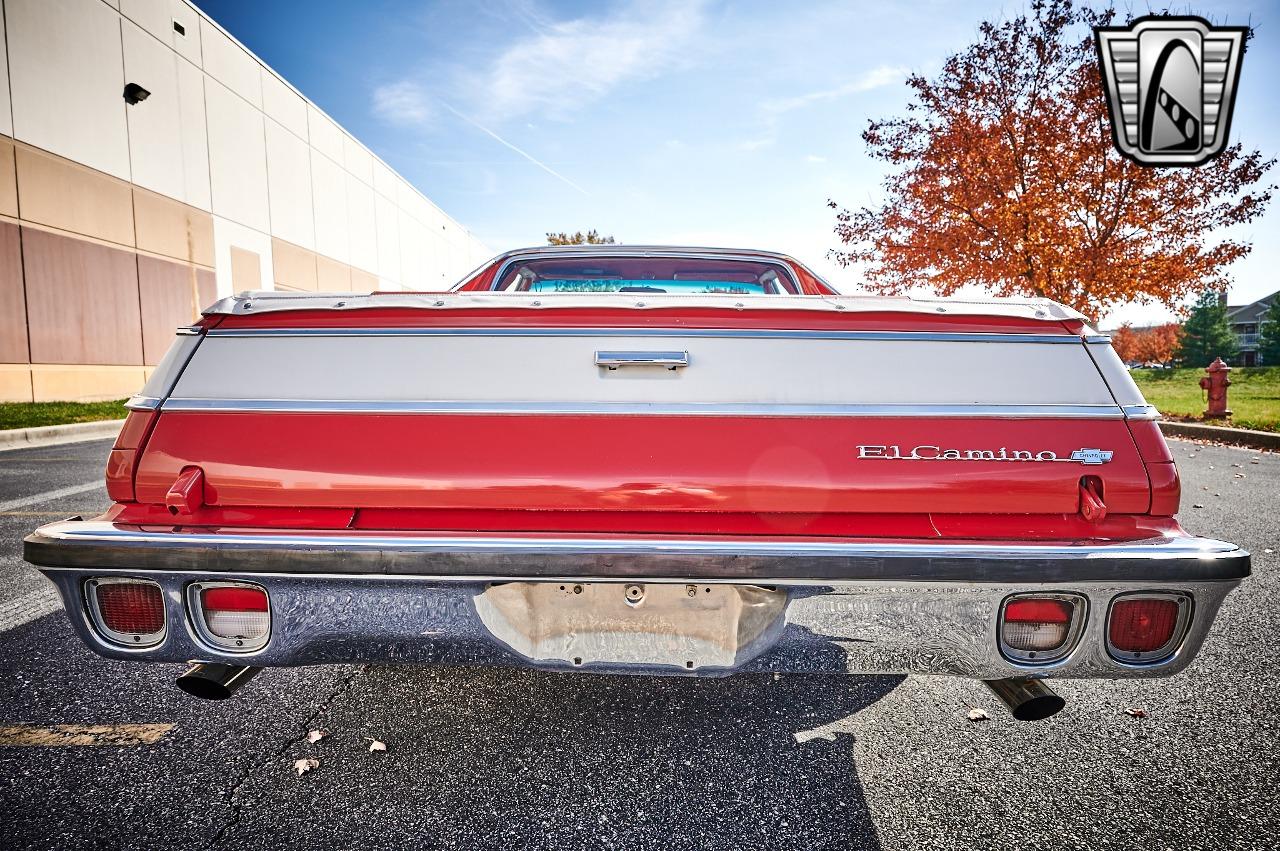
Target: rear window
(682, 275)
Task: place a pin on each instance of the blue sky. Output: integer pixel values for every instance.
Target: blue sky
(697, 122)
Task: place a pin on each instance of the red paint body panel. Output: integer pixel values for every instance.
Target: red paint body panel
(120, 464)
(759, 465)
(255, 518)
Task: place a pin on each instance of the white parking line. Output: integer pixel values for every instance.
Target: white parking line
(34, 604)
(37, 498)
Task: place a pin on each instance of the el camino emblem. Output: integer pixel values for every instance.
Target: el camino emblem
(928, 452)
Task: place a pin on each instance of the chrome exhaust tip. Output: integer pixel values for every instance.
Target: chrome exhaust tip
(213, 681)
(1027, 699)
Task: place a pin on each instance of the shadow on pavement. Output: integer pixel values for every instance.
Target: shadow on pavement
(517, 758)
(476, 758)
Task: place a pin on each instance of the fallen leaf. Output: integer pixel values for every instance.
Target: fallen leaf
(316, 735)
(375, 745)
(302, 766)
(977, 714)
(1136, 713)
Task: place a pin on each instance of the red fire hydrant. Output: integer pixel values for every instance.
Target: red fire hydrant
(1215, 384)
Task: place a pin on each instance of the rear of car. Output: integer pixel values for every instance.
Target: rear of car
(644, 460)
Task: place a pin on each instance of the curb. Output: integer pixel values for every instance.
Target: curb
(24, 438)
(1221, 434)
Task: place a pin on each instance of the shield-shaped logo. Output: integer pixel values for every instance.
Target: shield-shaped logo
(1170, 85)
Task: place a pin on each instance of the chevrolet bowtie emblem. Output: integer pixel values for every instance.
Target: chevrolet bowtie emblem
(1170, 84)
(1091, 456)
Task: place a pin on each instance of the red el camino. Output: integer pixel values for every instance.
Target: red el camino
(643, 460)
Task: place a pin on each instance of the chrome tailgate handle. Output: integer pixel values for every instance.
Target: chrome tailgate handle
(671, 360)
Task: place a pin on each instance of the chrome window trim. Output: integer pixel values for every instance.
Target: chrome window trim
(195, 608)
(1168, 649)
(743, 333)
(1079, 614)
(142, 403)
(1140, 412)
(133, 640)
(398, 406)
(168, 371)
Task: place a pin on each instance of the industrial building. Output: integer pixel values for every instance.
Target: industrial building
(150, 164)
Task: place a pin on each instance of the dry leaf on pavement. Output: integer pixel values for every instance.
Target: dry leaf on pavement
(302, 766)
(977, 714)
(316, 735)
(1136, 713)
(375, 745)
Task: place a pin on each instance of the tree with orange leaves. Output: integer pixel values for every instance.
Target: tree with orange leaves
(1005, 177)
(1161, 344)
(1126, 344)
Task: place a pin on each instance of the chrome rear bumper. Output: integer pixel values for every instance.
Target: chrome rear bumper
(714, 607)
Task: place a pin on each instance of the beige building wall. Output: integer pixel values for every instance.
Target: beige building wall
(119, 222)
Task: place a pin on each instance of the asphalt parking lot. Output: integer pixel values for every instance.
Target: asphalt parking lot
(479, 758)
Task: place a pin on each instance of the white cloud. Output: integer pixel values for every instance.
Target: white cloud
(404, 103)
(564, 65)
(814, 158)
(876, 78)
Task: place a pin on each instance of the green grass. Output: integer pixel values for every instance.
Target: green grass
(28, 414)
(1254, 395)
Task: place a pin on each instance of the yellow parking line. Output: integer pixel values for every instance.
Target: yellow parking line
(81, 735)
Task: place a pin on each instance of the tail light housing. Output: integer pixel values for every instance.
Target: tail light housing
(1145, 627)
(234, 616)
(127, 612)
(1040, 628)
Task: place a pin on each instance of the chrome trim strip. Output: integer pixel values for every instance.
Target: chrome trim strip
(398, 406)
(188, 331)
(1140, 412)
(142, 403)
(745, 333)
(1151, 548)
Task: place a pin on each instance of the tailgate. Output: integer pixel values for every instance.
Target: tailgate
(751, 421)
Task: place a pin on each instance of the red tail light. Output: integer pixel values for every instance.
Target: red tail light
(1040, 628)
(235, 616)
(127, 611)
(1146, 628)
